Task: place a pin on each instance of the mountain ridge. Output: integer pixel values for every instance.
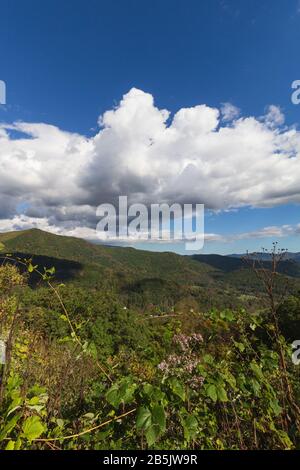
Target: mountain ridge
(139, 273)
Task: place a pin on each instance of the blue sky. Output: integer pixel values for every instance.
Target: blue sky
(67, 63)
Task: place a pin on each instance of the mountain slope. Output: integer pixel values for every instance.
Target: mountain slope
(142, 277)
(117, 261)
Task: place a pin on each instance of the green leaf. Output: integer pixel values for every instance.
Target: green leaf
(33, 428)
(276, 408)
(153, 393)
(50, 271)
(152, 422)
(229, 379)
(240, 346)
(229, 315)
(113, 396)
(31, 268)
(34, 401)
(121, 392)
(10, 445)
(15, 405)
(143, 419)
(284, 437)
(152, 434)
(177, 388)
(208, 359)
(9, 426)
(18, 444)
(221, 392)
(92, 350)
(257, 370)
(256, 386)
(212, 392)
(159, 417)
(190, 426)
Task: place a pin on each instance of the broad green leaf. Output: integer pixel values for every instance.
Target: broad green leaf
(221, 392)
(284, 437)
(143, 419)
(154, 393)
(34, 401)
(10, 445)
(256, 386)
(257, 370)
(159, 417)
(212, 392)
(92, 350)
(152, 434)
(229, 315)
(275, 407)
(152, 422)
(190, 426)
(33, 428)
(229, 379)
(9, 426)
(121, 392)
(177, 388)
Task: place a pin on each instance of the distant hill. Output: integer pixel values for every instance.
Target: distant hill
(288, 256)
(142, 277)
(128, 263)
(237, 264)
(223, 263)
(289, 266)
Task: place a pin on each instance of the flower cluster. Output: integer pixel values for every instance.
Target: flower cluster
(187, 342)
(184, 364)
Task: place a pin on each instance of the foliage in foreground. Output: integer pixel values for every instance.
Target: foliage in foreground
(91, 374)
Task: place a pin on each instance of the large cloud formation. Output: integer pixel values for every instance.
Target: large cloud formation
(56, 179)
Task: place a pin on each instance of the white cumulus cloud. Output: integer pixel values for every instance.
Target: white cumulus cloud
(201, 154)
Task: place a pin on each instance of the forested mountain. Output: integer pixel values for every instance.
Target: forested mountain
(117, 348)
(144, 277)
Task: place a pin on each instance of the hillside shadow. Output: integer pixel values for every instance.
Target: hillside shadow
(228, 264)
(224, 263)
(65, 270)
